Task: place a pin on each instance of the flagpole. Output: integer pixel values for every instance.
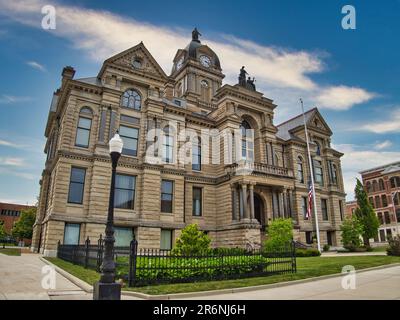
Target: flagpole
(312, 178)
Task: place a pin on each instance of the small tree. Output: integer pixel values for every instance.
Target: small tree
(2, 230)
(23, 228)
(280, 234)
(192, 241)
(366, 214)
(352, 230)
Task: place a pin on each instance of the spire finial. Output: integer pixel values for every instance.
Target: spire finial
(195, 35)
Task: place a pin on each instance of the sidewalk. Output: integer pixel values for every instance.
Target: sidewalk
(21, 278)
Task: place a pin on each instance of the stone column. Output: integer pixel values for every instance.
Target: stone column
(235, 213)
(251, 187)
(241, 204)
(285, 207)
(280, 204)
(244, 200)
(103, 122)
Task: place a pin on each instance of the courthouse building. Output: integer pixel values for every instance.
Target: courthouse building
(195, 151)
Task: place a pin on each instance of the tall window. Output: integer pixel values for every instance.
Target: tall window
(168, 145)
(300, 172)
(247, 141)
(123, 236)
(129, 136)
(319, 176)
(124, 197)
(167, 188)
(131, 99)
(83, 130)
(375, 186)
(395, 182)
(381, 185)
(341, 209)
(371, 201)
(76, 185)
(304, 206)
(196, 154)
(384, 201)
(387, 217)
(197, 201)
(377, 202)
(205, 91)
(380, 218)
(324, 209)
(334, 174)
(166, 239)
(72, 233)
(369, 186)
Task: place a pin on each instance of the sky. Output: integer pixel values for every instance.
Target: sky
(293, 48)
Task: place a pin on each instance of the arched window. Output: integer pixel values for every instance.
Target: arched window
(168, 145)
(131, 99)
(384, 201)
(381, 185)
(371, 201)
(395, 182)
(318, 148)
(247, 141)
(375, 186)
(196, 154)
(300, 171)
(205, 91)
(83, 128)
(369, 186)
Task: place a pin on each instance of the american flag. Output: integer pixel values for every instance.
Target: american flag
(310, 199)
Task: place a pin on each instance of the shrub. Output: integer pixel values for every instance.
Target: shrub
(351, 233)
(191, 242)
(394, 247)
(326, 247)
(280, 234)
(307, 252)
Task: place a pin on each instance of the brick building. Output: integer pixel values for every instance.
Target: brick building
(350, 208)
(383, 187)
(233, 174)
(10, 214)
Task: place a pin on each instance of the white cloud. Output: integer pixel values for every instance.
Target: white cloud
(383, 145)
(342, 97)
(392, 124)
(101, 34)
(356, 159)
(12, 161)
(36, 65)
(9, 99)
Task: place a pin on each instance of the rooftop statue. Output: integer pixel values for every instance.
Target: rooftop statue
(195, 35)
(249, 83)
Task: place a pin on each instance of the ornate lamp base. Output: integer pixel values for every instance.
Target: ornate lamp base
(106, 291)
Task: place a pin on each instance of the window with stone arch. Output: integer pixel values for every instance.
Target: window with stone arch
(369, 186)
(205, 91)
(168, 144)
(131, 99)
(381, 185)
(84, 126)
(300, 169)
(375, 186)
(247, 137)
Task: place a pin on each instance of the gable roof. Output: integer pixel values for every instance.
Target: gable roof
(285, 128)
(132, 50)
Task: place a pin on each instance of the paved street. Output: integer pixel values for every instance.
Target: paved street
(21, 279)
(375, 284)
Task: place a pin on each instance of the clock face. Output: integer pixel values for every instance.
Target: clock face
(205, 61)
(179, 63)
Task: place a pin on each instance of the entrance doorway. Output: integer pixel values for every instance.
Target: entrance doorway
(259, 210)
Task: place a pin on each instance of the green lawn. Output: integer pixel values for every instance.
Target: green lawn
(11, 251)
(306, 268)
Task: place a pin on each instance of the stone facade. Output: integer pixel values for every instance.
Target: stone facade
(245, 181)
(383, 188)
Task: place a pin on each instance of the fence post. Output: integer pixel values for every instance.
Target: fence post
(294, 263)
(99, 253)
(58, 248)
(132, 262)
(87, 244)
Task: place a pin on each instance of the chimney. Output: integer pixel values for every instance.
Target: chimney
(67, 73)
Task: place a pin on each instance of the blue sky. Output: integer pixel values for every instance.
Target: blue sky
(293, 48)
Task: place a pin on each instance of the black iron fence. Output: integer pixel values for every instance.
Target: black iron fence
(140, 266)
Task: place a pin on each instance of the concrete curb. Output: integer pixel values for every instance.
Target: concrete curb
(78, 282)
(245, 289)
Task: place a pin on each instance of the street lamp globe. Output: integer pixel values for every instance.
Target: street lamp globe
(116, 144)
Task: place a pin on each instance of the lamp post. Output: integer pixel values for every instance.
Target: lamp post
(107, 288)
(394, 195)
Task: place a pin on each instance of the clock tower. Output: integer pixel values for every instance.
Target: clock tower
(197, 72)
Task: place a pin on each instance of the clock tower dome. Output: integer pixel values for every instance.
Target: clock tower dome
(197, 72)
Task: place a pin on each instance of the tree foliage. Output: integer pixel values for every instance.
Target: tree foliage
(192, 241)
(23, 228)
(366, 214)
(352, 230)
(280, 234)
